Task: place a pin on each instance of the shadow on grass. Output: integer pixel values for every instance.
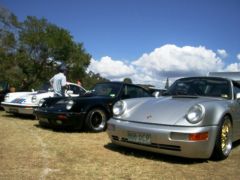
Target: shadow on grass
(236, 143)
(60, 129)
(152, 156)
(157, 156)
(19, 116)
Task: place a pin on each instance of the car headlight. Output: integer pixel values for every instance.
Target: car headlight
(6, 97)
(34, 98)
(195, 114)
(41, 102)
(69, 104)
(119, 108)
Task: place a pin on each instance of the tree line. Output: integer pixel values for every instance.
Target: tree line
(31, 51)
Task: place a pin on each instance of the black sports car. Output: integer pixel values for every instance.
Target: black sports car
(91, 110)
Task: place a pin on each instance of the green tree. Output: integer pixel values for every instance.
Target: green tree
(9, 26)
(31, 50)
(41, 45)
(91, 79)
(30, 55)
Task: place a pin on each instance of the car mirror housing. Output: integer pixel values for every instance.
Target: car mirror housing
(156, 94)
(69, 92)
(238, 96)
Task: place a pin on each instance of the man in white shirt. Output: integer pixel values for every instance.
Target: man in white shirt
(59, 82)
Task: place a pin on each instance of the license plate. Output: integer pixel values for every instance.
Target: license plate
(13, 110)
(43, 120)
(142, 138)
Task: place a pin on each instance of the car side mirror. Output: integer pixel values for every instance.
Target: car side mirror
(69, 92)
(156, 94)
(238, 96)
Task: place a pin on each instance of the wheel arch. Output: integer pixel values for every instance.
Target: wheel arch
(97, 106)
(218, 152)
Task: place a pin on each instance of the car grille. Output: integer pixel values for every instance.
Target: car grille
(153, 145)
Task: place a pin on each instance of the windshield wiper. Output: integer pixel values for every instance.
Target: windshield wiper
(184, 96)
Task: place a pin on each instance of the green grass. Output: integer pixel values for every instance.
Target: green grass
(28, 151)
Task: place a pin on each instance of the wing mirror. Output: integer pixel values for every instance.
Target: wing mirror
(69, 92)
(238, 96)
(156, 94)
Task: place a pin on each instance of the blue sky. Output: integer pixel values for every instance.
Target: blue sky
(143, 36)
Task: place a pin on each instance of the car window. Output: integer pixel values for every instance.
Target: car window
(213, 87)
(73, 88)
(76, 89)
(107, 89)
(45, 87)
(134, 92)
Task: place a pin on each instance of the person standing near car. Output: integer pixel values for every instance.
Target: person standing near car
(59, 82)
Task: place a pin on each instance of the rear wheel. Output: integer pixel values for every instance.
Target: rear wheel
(223, 144)
(96, 120)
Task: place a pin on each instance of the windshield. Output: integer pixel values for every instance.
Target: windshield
(213, 87)
(45, 87)
(107, 89)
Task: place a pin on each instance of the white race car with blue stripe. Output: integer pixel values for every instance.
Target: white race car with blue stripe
(26, 102)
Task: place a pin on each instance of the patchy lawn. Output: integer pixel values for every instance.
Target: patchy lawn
(28, 151)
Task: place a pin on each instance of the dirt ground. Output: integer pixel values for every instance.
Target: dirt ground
(28, 151)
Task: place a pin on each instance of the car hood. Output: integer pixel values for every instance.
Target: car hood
(26, 97)
(165, 110)
(59, 103)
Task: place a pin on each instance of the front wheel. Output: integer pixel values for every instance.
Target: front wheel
(223, 144)
(96, 120)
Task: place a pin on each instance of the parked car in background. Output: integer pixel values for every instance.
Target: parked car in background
(199, 117)
(4, 89)
(91, 111)
(26, 102)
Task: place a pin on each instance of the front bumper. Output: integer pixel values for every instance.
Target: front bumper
(18, 109)
(171, 140)
(60, 119)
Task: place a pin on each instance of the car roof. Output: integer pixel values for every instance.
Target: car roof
(117, 82)
(235, 76)
(206, 77)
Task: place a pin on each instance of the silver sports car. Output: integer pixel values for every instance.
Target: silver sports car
(198, 117)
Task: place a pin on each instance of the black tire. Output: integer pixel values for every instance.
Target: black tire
(96, 120)
(223, 144)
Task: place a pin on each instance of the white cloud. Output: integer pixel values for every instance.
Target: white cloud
(166, 61)
(222, 53)
(112, 69)
(173, 61)
(233, 67)
(238, 56)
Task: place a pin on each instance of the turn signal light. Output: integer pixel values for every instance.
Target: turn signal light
(61, 117)
(198, 136)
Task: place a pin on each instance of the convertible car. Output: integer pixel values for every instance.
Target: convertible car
(198, 117)
(91, 110)
(26, 102)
